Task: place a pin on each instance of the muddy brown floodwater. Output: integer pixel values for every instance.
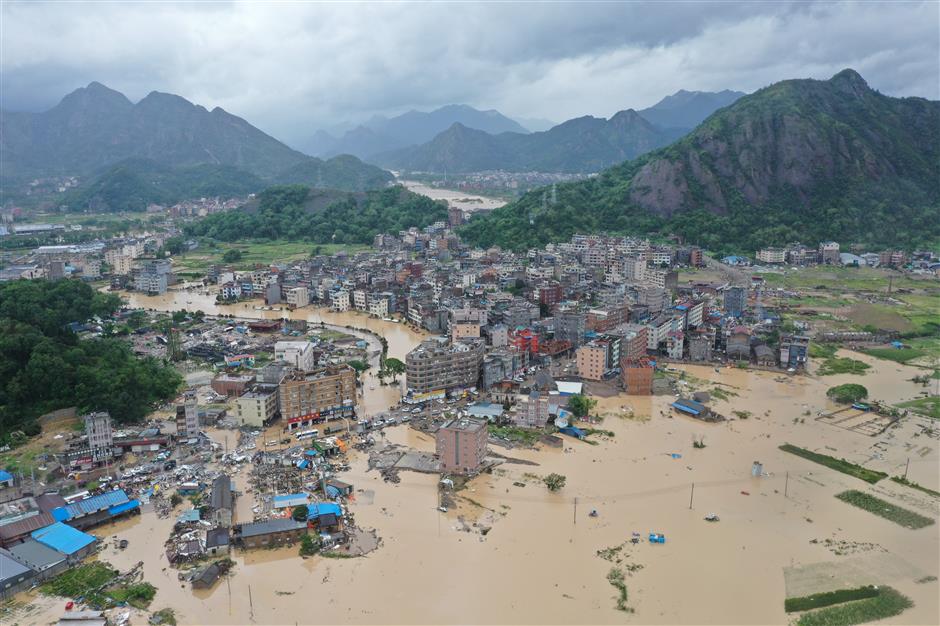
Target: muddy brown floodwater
(539, 563)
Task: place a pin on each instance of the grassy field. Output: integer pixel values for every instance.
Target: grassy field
(842, 365)
(845, 279)
(883, 508)
(840, 465)
(887, 603)
(898, 355)
(820, 600)
(903, 481)
(928, 407)
(264, 253)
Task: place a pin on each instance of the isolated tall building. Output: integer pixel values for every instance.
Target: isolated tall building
(187, 417)
(461, 445)
(100, 436)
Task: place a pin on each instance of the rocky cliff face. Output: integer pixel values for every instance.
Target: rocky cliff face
(801, 139)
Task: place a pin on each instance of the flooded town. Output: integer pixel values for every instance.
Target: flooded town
(539, 432)
(469, 313)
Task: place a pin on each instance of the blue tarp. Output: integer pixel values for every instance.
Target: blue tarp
(332, 491)
(123, 508)
(90, 505)
(63, 538)
(572, 431)
(5, 476)
(303, 464)
(311, 452)
(322, 508)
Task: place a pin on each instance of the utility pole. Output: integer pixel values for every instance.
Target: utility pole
(907, 467)
(691, 496)
(786, 485)
(576, 510)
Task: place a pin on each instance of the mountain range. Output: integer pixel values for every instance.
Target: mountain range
(382, 134)
(582, 145)
(95, 129)
(460, 138)
(798, 160)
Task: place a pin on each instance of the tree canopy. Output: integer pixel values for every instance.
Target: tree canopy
(44, 366)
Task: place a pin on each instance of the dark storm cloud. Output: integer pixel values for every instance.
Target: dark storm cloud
(291, 68)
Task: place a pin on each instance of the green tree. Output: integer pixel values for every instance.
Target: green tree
(581, 405)
(848, 393)
(554, 482)
(137, 319)
(358, 365)
(233, 255)
(394, 367)
(308, 545)
(299, 513)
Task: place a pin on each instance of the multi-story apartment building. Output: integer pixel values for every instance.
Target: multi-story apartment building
(634, 270)
(592, 361)
(297, 297)
(258, 406)
(637, 376)
(360, 299)
(662, 279)
(121, 264)
(772, 255)
(735, 301)
(461, 445)
(187, 417)
(794, 351)
(378, 306)
(532, 410)
(464, 330)
(633, 341)
(339, 300)
(435, 367)
(306, 398)
(829, 253)
(570, 327)
(100, 436)
(153, 276)
(299, 354)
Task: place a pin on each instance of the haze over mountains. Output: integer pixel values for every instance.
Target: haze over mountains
(382, 134)
(160, 149)
(798, 160)
(449, 137)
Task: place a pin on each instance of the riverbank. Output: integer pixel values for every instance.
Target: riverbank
(469, 202)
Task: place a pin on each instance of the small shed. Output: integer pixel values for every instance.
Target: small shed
(206, 577)
(691, 407)
(217, 541)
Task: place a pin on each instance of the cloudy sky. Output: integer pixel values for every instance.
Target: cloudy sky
(291, 68)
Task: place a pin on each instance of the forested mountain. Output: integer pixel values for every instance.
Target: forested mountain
(382, 134)
(687, 109)
(798, 160)
(95, 126)
(582, 145)
(296, 212)
(156, 150)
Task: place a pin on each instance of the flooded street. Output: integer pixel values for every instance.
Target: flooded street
(539, 562)
(462, 200)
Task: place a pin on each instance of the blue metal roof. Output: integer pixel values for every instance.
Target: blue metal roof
(63, 538)
(689, 406)
(90, 505)
(303, 464)
(331, 491)
(290, 499)
(323, 508)
(123, 508)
